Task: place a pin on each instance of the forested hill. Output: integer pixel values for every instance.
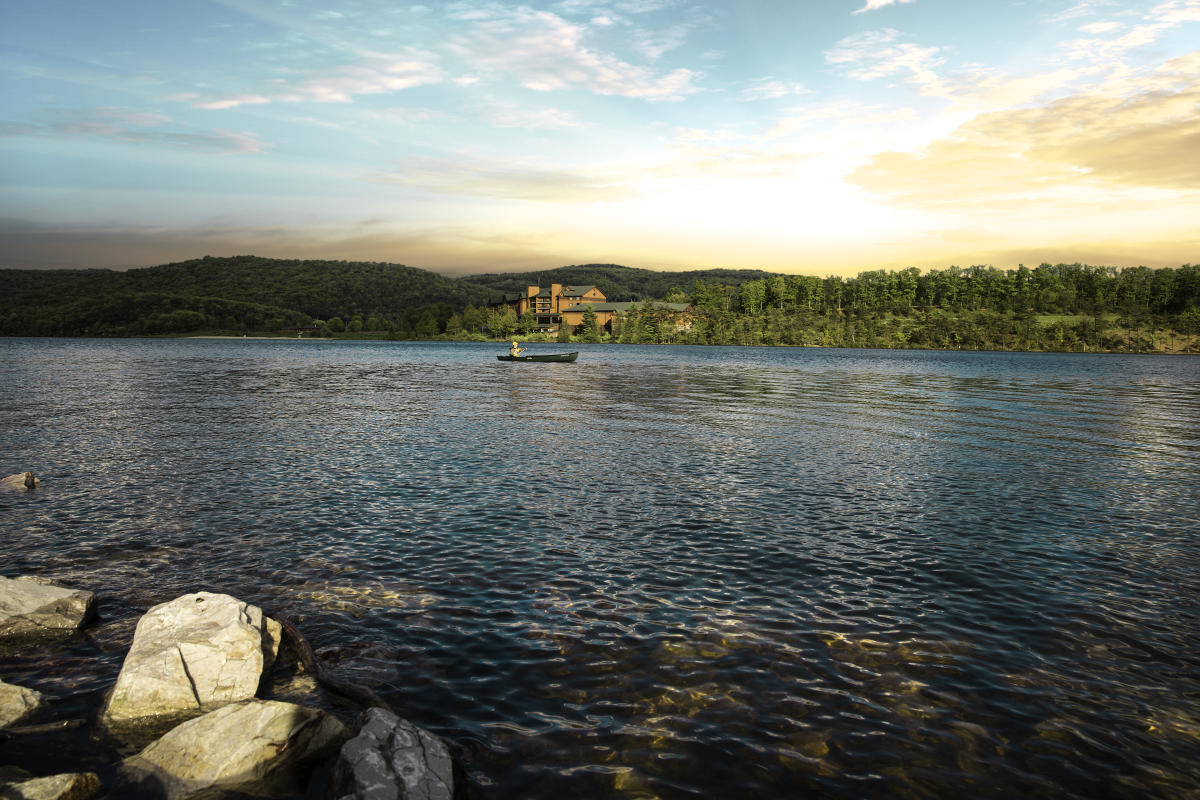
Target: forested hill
(321, 289)
(619, 284)
(240, 292)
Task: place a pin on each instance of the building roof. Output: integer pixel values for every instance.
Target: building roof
(626, 306)
(569, 291)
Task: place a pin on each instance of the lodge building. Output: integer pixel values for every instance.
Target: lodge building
(549, 305)
(562, 305)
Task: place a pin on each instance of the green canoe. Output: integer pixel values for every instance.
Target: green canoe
(567, 357)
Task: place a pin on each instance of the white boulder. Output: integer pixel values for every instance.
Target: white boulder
(259, 747)
(17, 703)
(33, 606)
(67, 786)
(392, 759)
(194, 654)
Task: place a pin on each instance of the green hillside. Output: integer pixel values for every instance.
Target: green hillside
(619, 284)
(1050, 307)
(236, 293)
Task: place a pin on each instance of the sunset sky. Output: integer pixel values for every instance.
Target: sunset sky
(811, 137)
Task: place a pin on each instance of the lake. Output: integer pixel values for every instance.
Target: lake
(659, 571)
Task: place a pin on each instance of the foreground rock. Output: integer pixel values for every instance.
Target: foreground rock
(258, 747)
(36, 606)
(69, 786)
(17, 703)
(21, 482)
(194, 654)
(392, 759)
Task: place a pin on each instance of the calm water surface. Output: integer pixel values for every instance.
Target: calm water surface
(659, 571)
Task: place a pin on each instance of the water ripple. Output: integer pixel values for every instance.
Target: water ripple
(657, 572)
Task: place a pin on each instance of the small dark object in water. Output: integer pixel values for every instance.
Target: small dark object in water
(563, 357)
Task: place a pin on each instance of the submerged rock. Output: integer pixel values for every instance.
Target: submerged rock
(17, 703)
(259, 747)
(194, 654)
(68, 786)
(392, 759)
(31, 606)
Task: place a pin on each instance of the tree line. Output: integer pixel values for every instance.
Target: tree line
(1059, 307)
(1050, 307)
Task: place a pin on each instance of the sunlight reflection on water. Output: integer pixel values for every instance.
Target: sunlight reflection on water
(709, 572)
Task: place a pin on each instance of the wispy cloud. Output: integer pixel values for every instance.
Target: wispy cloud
(481, 177)
(546, 52)
(138, 127)
(375, 73)
(878, 54)
(873, 5)
(772, 89)
(511, 115)
(1152, 26)
(233, 102)
(400, 115)
(653, 44)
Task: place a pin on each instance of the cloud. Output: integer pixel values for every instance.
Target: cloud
(374, 73)
(138, 127)
(478, 177)
(510, 115)
(1084, 8)
(547, 53)
(407, 117)
(879, 54)
(1097, 28)
(653, 44)
(873, 5)
(1152, 26)
(1138, 133)
(1177, 11)
(771, 89)
(232, 102)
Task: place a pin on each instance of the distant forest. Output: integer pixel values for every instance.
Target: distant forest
(1050, 307)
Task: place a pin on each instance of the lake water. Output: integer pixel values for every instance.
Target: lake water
(659, 571)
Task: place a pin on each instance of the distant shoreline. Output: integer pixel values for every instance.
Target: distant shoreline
(266, 338)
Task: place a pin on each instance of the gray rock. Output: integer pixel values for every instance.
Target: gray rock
(17, 703)
(34, 606)
(192, 655)
(68, 786)
(392, 759)
(259, 747)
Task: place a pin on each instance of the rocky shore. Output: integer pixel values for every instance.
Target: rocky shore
(198, 704)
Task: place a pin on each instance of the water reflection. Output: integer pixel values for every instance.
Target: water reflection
(658, 572)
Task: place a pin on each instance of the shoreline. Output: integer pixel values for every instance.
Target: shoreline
(1162, 352)
(262, 338)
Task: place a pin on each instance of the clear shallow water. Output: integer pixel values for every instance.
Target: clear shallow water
(672, 572)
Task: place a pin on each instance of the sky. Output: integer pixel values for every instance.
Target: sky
(825, 137)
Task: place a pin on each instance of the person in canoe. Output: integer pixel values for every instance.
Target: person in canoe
(516, 350)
